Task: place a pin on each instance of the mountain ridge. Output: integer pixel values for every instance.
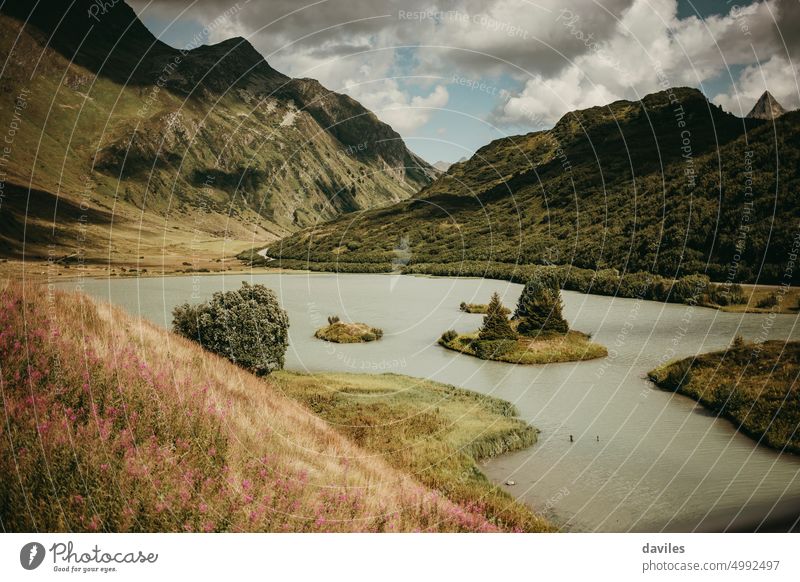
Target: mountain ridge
(671, 185)
(208, 140)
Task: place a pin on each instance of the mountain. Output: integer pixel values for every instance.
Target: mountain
(442, 166)
(171, 151)
(766, 108)
(671, 185)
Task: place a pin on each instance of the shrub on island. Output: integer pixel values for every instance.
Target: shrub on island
(341, 332)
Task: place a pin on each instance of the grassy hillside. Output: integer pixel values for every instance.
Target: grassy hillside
(113, 424)
(671, 185)
(157, 152)
(754, 385)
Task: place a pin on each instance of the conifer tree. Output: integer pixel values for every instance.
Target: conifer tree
(539, 309)
(495, 324)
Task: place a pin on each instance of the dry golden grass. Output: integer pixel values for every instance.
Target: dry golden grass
(435, 432)
(787, 300)
(202, 445)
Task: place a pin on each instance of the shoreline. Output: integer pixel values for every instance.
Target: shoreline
(716, 381)
(11, 268)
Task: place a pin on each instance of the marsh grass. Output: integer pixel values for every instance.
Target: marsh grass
(435, 432)
(753, 385)
(547, 348)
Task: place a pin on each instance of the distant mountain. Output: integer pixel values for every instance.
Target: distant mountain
(670, 184)
(442, 166)
(174, 146)
(766, 108)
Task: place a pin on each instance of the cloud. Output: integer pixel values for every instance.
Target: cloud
(561, 54)
(777, 75)
(394, 106)
(650, 48)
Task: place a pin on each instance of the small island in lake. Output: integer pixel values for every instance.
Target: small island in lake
(339, 332)
(752, 384)
(478, 308)
(536, 334)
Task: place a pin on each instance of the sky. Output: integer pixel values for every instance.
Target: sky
(452, 75)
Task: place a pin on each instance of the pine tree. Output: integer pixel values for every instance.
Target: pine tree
(495, 324)
(539, 309)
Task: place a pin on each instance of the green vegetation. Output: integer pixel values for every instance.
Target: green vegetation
(113, 424)
(247, 326)
(753, 385)
(537, 334)
(347, 333)
(547, 348)
(119, 133)
(433, 431)
(478, 308)
(695, 289)
(609, 192)
(539, 309)
(496, 325)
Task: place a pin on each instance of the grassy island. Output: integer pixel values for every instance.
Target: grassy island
(753, 385)
(536, 334)
(548, 348)
(348, 333)
(478, 308)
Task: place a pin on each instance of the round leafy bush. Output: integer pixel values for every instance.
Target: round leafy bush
(247, 326)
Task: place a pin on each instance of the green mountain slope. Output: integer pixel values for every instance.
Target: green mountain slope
(670, 185)
(178, 146)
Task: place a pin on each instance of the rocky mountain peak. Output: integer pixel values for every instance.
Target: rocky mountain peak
(767, 107)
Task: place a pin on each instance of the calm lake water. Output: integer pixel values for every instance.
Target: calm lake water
(662, 461)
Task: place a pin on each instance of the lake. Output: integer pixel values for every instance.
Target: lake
(662, 462)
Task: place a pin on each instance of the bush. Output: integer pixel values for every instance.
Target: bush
(348, 333)
(738, 342)
(690, 289)
(491, 349)
(726, 294)
(770, 300)
(333, 319)
(448, 336)
(247, 326)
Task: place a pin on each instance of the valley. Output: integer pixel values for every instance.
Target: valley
(239, 295)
